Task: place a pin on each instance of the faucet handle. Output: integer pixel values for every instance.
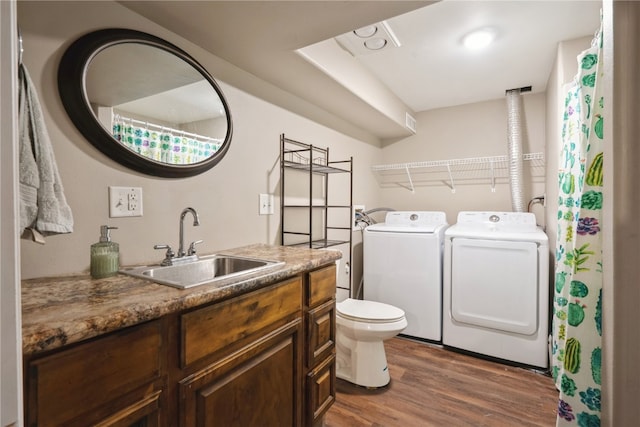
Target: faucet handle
(168, 255)
(192, 247)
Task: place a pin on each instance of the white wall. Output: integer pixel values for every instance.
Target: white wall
(10, 319)
(472, 130)
(226, 197)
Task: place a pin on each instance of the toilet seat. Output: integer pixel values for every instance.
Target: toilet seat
(368, 311)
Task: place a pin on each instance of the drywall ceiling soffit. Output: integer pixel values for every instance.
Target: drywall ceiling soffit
(261, 38)
(329, 57)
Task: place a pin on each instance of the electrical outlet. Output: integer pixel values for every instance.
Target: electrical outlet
(125, 201)
(355, 211)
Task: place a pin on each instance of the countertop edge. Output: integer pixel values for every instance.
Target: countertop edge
(62, 310)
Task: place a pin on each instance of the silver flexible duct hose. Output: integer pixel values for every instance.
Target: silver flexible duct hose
(515, 150)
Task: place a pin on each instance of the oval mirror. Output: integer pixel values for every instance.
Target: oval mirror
(145, 103)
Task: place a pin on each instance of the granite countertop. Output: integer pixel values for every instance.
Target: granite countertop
(62, 310)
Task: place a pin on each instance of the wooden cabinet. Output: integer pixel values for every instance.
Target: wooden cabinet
(264, 358)
(114, 380)
(320, 306)
(253, 343)
(258, 385)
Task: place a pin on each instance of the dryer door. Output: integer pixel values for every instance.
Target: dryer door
(494, 284)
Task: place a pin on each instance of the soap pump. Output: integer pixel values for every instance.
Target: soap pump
(105, 255)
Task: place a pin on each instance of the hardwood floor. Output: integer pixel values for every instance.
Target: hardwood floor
(431, 386)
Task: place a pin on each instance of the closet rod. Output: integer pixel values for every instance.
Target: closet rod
(117, 117)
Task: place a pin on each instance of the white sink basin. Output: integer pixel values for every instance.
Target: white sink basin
(208, 269)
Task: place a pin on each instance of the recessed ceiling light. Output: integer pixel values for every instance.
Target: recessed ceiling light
(376, 43)
(479, 39)
(365, 32)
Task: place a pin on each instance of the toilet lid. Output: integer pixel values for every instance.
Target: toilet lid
(371, 311)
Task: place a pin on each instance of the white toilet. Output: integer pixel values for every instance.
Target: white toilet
(361, 328)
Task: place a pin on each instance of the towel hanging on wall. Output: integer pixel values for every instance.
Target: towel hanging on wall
(43, 206)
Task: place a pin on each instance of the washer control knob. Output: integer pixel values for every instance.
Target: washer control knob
(494, 218)
(413, 217)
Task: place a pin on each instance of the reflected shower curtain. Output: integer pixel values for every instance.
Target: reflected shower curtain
(163, 145)
(577, 320)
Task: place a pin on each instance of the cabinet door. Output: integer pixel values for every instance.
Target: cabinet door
(321, 390)
(321, 332)
(259, 385)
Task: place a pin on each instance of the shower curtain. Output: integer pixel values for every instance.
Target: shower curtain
(163, 145)
(577, 304)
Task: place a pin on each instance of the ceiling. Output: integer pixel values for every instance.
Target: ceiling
(433, 70)
(291, 45)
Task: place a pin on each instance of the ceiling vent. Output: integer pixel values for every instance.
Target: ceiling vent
(370, 39)
(410, 122)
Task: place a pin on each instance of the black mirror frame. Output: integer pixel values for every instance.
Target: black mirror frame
(71, 85)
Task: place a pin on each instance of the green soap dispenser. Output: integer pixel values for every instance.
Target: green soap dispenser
(105, 255)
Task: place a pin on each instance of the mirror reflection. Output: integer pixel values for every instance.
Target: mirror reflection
(145, 103)
(155, 104)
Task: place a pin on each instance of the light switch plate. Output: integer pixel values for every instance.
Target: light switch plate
(125, 201)
(266, 204)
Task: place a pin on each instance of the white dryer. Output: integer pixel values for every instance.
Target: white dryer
(403, 268)
(496, 287)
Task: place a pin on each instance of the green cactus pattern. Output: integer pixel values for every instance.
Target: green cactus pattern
(572, 355)
(598, 315)
(577, 301)
(578, 289)
(568, 386)
(596, 365)
(575, 314)
(561, 277)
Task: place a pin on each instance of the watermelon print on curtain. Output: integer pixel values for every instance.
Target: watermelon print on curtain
(577, 316)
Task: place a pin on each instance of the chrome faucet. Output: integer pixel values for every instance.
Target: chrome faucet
(172, 258)
(196, 222)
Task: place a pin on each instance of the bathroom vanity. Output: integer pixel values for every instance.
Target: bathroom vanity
(125, 351)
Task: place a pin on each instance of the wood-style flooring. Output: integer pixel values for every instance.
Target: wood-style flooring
(432, 386)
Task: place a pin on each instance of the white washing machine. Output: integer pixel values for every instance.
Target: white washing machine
(403, 267)
(496, 287)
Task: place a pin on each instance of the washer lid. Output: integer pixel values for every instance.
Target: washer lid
(411, 222)
(389, 228)
(372, 311)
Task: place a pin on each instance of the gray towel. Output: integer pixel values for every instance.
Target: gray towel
(43, 207)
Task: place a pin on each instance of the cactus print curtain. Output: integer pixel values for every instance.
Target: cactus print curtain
(577, 317)
(163, 145)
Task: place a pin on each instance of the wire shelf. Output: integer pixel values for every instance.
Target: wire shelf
(493, 169)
